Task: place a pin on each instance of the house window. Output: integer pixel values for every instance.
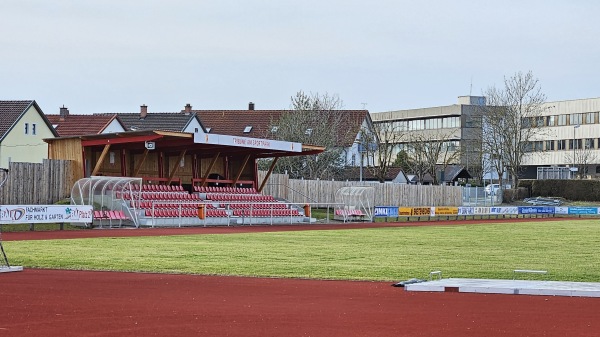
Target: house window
(26, 128)
(353, 159)
(247, 129)
(308, 132)
(562, 144)
(550, 145)
(33, 129)
(274, 129)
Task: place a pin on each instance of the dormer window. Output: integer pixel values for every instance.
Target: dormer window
(248, 129)
(208, 130)
(308, 132)
(274, 129)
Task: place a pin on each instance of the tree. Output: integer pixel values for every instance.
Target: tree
(431, 150)
(312, 119)
(379, 142)
(510, 120)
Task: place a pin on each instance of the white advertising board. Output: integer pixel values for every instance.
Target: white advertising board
(257, 143)
(20, 214)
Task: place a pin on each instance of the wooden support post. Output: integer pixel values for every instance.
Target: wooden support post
(176, 166)
(212, 163)
(101, 159)
(237, 177)
(139, 165)
(268, 174)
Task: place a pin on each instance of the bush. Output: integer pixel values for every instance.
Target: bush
(574, 190)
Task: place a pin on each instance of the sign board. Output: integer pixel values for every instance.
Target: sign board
(257, 143)
(27, 214)
(386, 211)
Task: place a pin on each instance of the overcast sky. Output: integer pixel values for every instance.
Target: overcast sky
(114, 55)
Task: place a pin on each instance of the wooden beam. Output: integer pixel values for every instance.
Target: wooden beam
(212, 163)
(139, 165)
(101, 159)
(237, 177)
(176, 166)
(268, 175)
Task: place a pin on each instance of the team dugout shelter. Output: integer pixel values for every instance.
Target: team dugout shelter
(175, 158)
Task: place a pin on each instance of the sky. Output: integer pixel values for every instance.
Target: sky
(100, 56)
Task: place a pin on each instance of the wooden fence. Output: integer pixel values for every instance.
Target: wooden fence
(35, 183)
(323, 191)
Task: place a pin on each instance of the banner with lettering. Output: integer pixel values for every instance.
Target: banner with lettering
(20, 214)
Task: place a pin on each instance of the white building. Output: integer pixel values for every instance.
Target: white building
(569, 129)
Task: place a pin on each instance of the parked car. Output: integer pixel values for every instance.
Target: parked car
(492, 189)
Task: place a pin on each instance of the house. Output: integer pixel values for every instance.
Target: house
(23, 128)
(393, 175)
(67, 124)
(263, 124)
(183, 121)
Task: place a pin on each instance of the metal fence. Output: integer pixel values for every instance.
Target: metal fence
(476, 196)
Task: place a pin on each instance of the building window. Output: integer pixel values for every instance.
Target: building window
(574, 144)
(33, 129)
(538, 146)
(551, 121)
(26, 128)
(353, 159)
(589, 143)
(562, 144)
(576, 119)
(539, 121)
(562, 120)
(590, 117)
(550, 145)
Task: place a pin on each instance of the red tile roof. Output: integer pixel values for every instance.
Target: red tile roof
(78, 125)
(233, 122)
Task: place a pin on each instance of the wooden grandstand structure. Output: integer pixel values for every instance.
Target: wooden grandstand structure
(179, 172)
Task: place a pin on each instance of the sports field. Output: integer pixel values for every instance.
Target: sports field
(569, 250)
(296, 280)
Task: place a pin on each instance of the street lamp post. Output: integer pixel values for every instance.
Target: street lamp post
(574, 140)
(361, 167)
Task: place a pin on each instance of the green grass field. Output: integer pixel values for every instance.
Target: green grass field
(568, 250)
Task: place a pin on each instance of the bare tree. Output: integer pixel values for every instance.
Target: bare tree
(510, 121)
(379, 143)
(430, 151)
(312, 119)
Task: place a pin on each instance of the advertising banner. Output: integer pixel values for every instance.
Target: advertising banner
(536, 210)
(583, 210)
(446, 211)
(386, 211)
(466, 210)
(21, 214)
(504, 210)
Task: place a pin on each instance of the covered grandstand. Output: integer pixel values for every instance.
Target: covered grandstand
(162, 178)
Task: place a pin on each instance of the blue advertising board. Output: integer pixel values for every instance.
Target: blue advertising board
(536, 210)
(583, 210)
(386, 211)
